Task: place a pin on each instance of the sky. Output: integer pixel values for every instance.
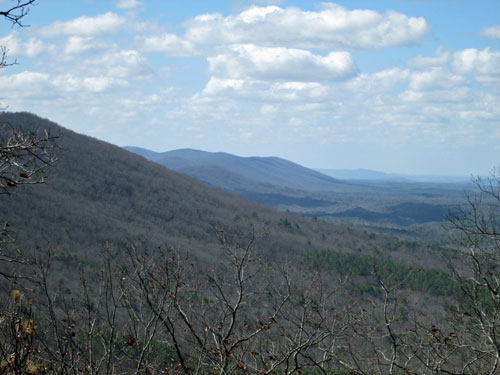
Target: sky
(402, 86)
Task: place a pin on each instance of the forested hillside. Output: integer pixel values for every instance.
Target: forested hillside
(98, 193)
(111, 261)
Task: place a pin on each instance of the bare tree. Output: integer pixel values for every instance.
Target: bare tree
(14, 14)
(24, 156)
(24, 159)
(390, 339)
(245, 314)
(477, 272)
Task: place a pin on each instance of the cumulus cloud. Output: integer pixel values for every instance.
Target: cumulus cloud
(436, 97)
(27, 82)
(31, 48)
(118, 64)
(127, 4)
(378, 82)
(30, 84)
(79, 44)
(332, 26)
(251, 61)
(420, 61)
(484, 64)
(262, 91)
(85, 26)
(436, 85)
(97, 84)
(169, 44)
(491, 32)
(433, 79)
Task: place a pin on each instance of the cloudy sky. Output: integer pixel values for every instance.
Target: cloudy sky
(408, 86)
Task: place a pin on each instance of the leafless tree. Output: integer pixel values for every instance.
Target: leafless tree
(17, 10)
(477, 271)
(14, 14)
(24, 159)
(24, 155)
(244, 314)
(391, 339)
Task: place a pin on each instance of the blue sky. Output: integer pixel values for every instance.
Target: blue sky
(409, 86)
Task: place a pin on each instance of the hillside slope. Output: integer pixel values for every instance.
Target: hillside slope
(101, 195)
(101, 199)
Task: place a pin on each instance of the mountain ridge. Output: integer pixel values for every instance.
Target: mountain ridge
(267, 170)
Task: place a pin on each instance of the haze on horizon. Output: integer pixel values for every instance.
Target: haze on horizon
(398, 86)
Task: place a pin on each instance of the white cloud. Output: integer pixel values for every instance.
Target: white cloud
(79, 44)
(127, 4)
(97, 84)
(169, 44)
(31, 48)
(85, 26)
(331, 27)
(420, 61)
(30, 84)
(457, 96)
(262, 91)
(378, 82)
(491, 32)
(102, 83)
(120, 64)
(433, 79)
(484, 64)
(27, 82)
(251, 61)
(436, 85)
(216, 86)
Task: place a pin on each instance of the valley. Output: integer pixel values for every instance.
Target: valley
(378, 201)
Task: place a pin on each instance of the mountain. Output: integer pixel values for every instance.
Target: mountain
(270, 171)
(367, 174)
(99, 195)
(100, 203)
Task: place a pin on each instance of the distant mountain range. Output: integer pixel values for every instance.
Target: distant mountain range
(227, 171)
(371, 175)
